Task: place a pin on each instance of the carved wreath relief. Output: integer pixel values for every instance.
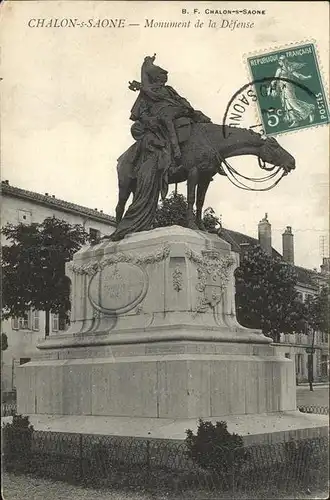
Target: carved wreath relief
(119, 283)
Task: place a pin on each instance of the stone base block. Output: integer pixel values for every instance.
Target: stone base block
(170, 380)
(255, 429)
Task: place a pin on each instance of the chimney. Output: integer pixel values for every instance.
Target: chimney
(325, 266)
(288, 246)
(265, 235)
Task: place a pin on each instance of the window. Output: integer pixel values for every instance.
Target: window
(24, 217)
(55, 322)
(22, 323)
(14, 323)
(62, 323)
(35, 320)
(22, 361)
(299, 363)
(25, 323)
(324, 365)
(94, 234)
(287, 355)
(58, 322)
(324, 337)
(287, 338)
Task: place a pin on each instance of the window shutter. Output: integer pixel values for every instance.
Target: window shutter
(61, 322)
(14, 323)
(25, 323)
(29, 320)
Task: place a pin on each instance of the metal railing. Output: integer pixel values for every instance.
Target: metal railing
(8, 409)
(320, 410)
(159, 465)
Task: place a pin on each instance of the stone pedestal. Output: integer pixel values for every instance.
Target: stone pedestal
(163, 380)
(154, 334)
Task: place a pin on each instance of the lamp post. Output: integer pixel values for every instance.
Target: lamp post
(310, 351)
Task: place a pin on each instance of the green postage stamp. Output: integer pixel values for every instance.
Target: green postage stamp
(289, 89)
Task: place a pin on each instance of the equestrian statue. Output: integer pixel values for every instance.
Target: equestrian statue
(176, 143)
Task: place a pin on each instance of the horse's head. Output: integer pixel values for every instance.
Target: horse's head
(271, 152)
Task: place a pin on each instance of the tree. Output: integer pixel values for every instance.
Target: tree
(214, 447)
(4, 347)
(33, 267)
(318, 311)
(266, 297)
(4, 342)
(171, 211)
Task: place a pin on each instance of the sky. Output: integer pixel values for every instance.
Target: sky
(66, 103)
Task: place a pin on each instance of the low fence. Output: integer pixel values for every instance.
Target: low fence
(158, 465)
(320, 410)
(8, 409)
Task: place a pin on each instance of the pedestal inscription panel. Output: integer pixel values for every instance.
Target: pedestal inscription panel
(118, 288)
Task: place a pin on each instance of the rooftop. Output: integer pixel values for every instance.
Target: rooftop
(52, 201)
(305, 276)
(237, 240)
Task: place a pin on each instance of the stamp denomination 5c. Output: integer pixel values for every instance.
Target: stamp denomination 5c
(289, 89)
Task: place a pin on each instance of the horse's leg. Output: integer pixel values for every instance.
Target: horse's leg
(201, 192)
(125, 189)
(191, 190)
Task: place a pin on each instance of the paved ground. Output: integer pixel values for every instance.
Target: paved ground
(319, 396)
(21, 487)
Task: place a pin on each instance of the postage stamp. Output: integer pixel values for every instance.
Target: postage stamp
(289, 89)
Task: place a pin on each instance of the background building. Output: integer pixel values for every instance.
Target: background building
(293, 345)
(27, 207)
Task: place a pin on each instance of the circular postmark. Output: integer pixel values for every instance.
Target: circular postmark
(118, 288)
(242, 111)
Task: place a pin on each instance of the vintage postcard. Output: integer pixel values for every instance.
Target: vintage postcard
(165, 244)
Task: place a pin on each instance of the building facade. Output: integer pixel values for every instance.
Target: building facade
(297, 345)
(27, 207)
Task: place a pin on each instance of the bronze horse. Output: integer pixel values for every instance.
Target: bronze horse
(207, 146)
